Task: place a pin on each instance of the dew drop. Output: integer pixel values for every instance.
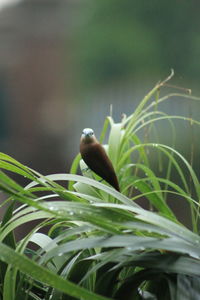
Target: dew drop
(126, 231)
(128, 248)
(60, 213)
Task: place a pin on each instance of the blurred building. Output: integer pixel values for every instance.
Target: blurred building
(36, 82)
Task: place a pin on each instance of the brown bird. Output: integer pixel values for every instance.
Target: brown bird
(95, 157)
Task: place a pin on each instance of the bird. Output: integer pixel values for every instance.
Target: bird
(95, 157)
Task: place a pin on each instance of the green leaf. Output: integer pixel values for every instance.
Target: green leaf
(73, 170)
(36, 272)
(114, 143)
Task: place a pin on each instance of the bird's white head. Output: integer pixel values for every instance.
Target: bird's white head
(88, 135)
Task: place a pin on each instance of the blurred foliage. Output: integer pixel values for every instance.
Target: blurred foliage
(119, 39)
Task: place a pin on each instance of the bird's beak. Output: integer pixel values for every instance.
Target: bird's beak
(87, 134)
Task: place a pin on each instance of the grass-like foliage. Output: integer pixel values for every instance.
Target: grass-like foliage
(101, 244)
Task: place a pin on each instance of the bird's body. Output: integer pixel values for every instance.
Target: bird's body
(94, 155)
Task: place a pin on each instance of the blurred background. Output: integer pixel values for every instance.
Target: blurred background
(63, 62)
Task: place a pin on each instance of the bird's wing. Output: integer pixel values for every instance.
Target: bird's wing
(97, 160)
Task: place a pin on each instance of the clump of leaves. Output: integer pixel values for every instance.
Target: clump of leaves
(101, 244)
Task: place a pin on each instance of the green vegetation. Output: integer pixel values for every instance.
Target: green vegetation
(138, 39)
(101, 244)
